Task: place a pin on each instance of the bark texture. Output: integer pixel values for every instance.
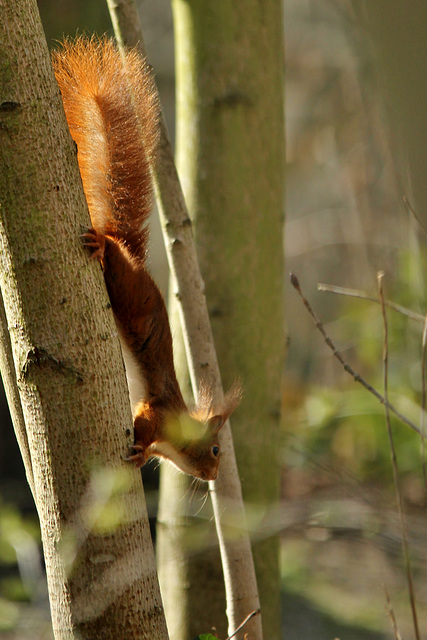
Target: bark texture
(230, 155)
(99, 558)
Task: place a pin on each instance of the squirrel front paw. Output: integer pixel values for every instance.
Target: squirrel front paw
(95, 242)
(137, 455)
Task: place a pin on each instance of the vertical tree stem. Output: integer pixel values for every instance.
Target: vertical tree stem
(8, 373)
(66, 355)
(239, 572)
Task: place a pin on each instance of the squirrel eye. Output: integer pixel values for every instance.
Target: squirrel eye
(215, 451)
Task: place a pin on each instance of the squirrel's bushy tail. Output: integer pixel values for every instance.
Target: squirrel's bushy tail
(112, 111)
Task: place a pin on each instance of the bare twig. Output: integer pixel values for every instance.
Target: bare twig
(397, 487)
(392, 617)
(418, 317)
(357, 377)
(249, 617)
(415, 214)
(356, 293)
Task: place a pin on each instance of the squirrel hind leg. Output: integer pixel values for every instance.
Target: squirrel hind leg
(95, 242)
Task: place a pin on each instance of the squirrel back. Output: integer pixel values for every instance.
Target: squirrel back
(112, 112)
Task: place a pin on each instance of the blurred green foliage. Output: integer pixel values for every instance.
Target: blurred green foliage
(342, 423)
(19, 548)
(346, 428)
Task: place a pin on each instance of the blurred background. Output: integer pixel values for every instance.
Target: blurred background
(349, 97)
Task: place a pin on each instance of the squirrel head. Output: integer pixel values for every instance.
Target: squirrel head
(190, 445)
(191, 439)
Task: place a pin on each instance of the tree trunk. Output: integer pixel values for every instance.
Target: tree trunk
(230, 158)
(99, 558)
(398, 32)
(188, 288)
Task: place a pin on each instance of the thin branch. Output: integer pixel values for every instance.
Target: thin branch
(356, 293)
(397, 486)
(392, 617)
(246, 620)
(415, 214)
(418, 317)
(8, 373)
(357, 377)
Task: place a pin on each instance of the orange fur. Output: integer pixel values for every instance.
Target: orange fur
(112, 112)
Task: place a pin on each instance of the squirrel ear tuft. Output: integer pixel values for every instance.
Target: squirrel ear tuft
(215, 423)
(231, 401)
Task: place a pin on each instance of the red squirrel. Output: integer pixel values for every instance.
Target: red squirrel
(112, 112)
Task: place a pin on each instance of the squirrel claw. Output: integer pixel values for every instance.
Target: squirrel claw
(95, 242)
(139, 458)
